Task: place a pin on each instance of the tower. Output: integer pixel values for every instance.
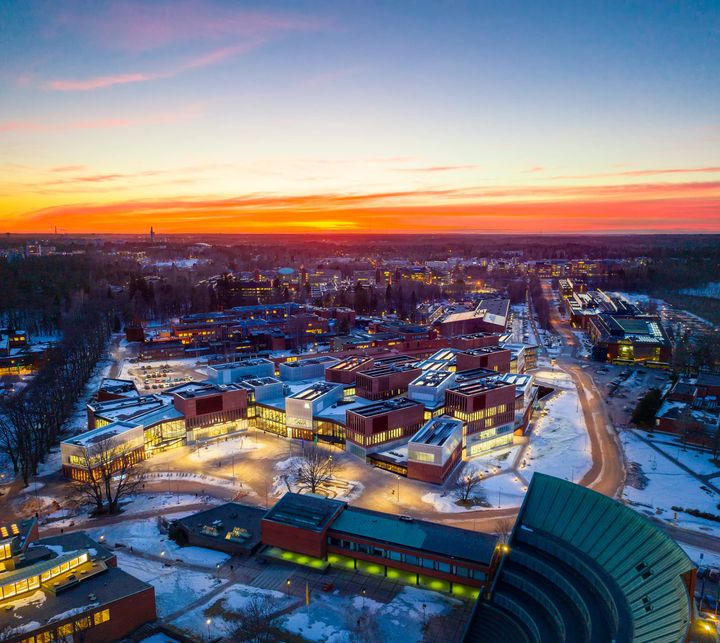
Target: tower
(152, 235)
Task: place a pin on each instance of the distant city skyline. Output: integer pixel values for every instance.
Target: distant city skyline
(307, 117)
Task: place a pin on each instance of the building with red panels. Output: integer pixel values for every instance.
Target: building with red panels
(161, 349)
(490, 315)
(435, 450)
(69, 588)
(300, 523)
(114, 389)
(494, 358)
(486, 406)
(346, 370)
(382, 381)
(361, 539)
(209, 410)
(475, 340)
(377, 426)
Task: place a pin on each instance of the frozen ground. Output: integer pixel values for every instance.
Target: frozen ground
(504, 490)
(554, 377)
(219, 450)
(218, 610)
(144, 536)
(696, 460)
(332, 618)
(175, 587)
(655, 484)
(559, 445)
(286, 480)
(701, 557)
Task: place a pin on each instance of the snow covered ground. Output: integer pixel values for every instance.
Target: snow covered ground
(332, 618)
(559, 445)
(175, 587)
(220, 450)
(656, 484)
(145, 536)
(286, 480)
(554, 377)
(218, 610)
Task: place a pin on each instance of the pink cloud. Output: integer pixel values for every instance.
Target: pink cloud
(145, 26)
(101, 82)
(651, 172)
(102, 123)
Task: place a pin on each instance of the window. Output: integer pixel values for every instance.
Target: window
(83, 623)
(443, 567)
(413, 560)
(65, 630)
(395, 555)
(101, 617)
(427, 563)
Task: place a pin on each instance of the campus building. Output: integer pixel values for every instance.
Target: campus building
(233, 372)
(302, 407)
(486, 406)
(306, 369)
(386, 380)
(435, 450)
(334, 533)
(581, 567)
(494, 358)
(377, 426)
(66, 588)
(630, 339)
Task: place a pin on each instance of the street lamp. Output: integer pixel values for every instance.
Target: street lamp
(364, 591)
(208, 622)
(398, 489)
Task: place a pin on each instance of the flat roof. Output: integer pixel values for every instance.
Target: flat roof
(430, 537)
(314, 391)
(485, 350)
(304, 511)
(479, 386)
(309, 361)
(243, 363)
(431, 379)
(380, 371)
(437, 431)
(351, 363)
(102, 433)
(385, 406)
(225, 518)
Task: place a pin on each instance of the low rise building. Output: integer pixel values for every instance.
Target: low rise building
(435, 450)
(303, 406)
(232, 372)
(486, 406)
(68, 588)
(377, 426)
(306, 369)
(386, 381)
(494, 358)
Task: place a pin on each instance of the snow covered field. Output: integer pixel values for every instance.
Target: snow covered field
(144, 536)
(331, 618)
(218, 610)
(559, 445)
(175, 587)
(656, 484)
(339, 488)
(225, 450)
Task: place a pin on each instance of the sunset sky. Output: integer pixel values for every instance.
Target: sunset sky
(455, 116)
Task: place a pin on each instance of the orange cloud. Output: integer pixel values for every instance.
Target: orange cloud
(638, 208)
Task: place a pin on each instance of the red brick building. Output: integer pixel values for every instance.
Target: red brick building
(370, 428)
(85, 596)
(385, 381)
(337, 533)
(493, 358)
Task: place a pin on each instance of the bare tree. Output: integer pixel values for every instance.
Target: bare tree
(465, 486)
(317, 468)
(503, 529)
(109, 474)
(256, 620)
